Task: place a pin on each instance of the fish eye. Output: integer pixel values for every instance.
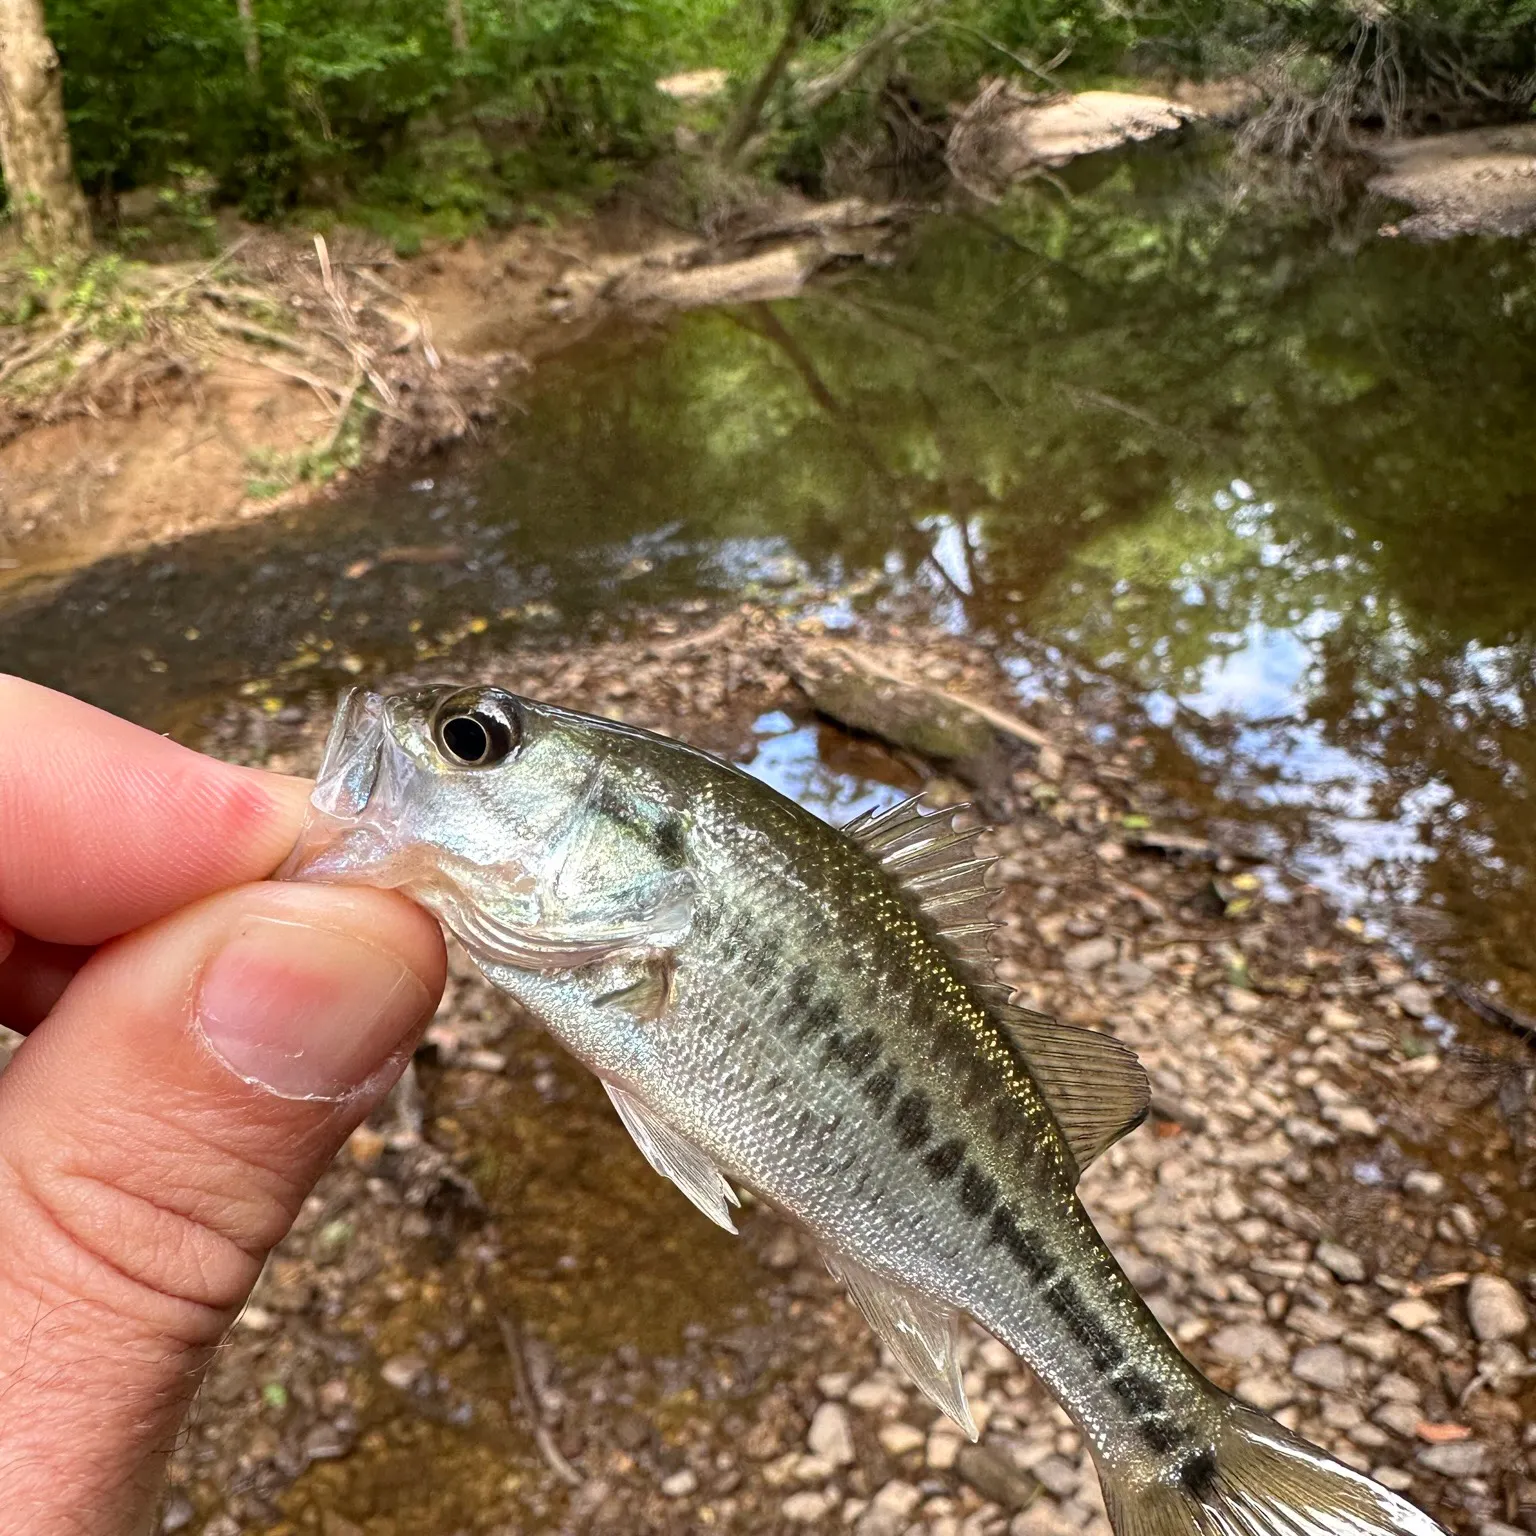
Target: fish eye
(478, 730)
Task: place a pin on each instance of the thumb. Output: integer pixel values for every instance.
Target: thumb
(158, 1133)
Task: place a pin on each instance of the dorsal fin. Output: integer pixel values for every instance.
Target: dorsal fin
(934, 866)
(1095, 1087)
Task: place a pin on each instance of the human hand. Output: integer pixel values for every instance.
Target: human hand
(199, 1048)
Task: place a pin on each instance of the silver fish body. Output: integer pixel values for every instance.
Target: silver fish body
(809, 1013)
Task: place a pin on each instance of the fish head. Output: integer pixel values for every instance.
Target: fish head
(531, 831)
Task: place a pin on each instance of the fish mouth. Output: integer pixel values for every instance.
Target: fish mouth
(344, 838)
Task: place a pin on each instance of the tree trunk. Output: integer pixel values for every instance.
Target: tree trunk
(34, 140)
(457, 29)
(751, 110)
(248, 33)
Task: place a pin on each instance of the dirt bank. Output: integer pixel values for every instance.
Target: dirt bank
(204, 432)
(493, 1318)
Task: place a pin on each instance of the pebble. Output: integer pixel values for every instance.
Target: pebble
(1341, 1262)
(877, 1394)
(1414, 998)
(996, 1478)
(177, 1514)
(1353, 1119)
(1266, 1393)
(1243, 1343)
(403, 1371)
(831, 1435)
(1495, 1309)
(1420, 1181)
(1394, 1478)
(1090, 954)
(680, 1484)
(1324, 1365)
(1413, 1314)
(1057, 1475)
(1461, 1458)
(898, 1438)
(944, 1443)
(808, 1507)
(1401, 1418)
(1498, 1528)
(889, 1510)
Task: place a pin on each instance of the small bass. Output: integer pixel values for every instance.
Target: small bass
(811, 1013)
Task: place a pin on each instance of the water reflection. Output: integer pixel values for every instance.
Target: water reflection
(1271, 473)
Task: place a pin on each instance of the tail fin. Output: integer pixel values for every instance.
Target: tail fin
(1257, 1479)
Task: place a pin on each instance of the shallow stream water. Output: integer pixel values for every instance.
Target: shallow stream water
(1267, 471)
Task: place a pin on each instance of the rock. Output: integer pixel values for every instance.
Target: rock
(1475, 179)
(176, 1514)
(877, 1394)
(835, 1384)
(1413, 1313)
(1352, 1119)
(944, 1442)
(1394, 1478)
(996, 1478)
(889, 1510)
(1498, 1528)
(1266, 1393)
(831, 1435)
(1090, 954)
(782, 1250)
(1495, 1309)
(403, 1371)
(325, 1442)
(899, 1438)
(1397, 1388)
(1340, 1019)
(1245, 1343)
(1341, 1262)
(1419, 1181)
(1324, 1365)
(1401, 1418)
(1461, 1458)
(694, 84)
(680, 1484)
(808, 1507)
(1058, 1475)
(1414, 998)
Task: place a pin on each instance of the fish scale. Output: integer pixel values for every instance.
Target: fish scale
(812, 1014)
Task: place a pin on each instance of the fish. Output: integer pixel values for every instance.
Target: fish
(812, 1013)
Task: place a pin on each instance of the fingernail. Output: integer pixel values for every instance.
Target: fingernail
(305, 1012)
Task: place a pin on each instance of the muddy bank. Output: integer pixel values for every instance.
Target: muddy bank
(316, 361)
(494, 1318)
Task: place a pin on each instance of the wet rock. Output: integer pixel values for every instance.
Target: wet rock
(680, 1484)
(808, 1507)
(1461, 1458)
(1324, 1365)
(1495, 1309)
(1413, 1313)
(1341, 1262)
(995, 1477)
(403, 1371)
(1090, 954)
(889, 1510)
(831, 1435)
(177, 1514)
(901, 1438)
(1479, 179)
(1244, 1343)
(1352, 1119)
(1414, 998)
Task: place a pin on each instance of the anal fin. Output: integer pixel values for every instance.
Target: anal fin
(922, 1334)
(675, 1157)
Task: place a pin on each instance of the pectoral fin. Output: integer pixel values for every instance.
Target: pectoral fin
(676, 1158)
(922, 1334)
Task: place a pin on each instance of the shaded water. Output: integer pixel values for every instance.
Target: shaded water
(1271, 473)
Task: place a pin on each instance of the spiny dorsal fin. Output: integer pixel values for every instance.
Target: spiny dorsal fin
(1095, 1086)
(922, 1334)
(934, 866)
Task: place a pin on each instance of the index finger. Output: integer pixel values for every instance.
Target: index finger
(105, 826)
